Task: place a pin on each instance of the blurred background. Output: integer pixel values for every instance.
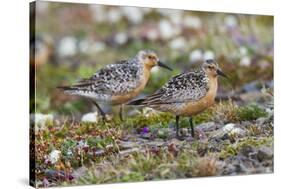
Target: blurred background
(72, 41)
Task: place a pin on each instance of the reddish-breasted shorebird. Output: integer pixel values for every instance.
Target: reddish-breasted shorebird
(117, 83)
(186, 94)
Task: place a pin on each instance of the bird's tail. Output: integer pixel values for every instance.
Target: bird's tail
(138, 102)
(64, 87)
(68, 89)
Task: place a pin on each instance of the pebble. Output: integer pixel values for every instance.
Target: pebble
(208, 126)
(125, 152)
(265, 153)
(90, 117)
(127, 145)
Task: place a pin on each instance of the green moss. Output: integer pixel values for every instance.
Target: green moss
(142, 166)
(133, 176)
(233, 149)
(158, 120)
(250, 112)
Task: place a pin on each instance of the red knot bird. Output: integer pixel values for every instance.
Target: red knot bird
(117, 83)
(186, 94)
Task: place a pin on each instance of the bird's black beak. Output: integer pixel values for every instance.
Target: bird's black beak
(164, 66)
(219, 72)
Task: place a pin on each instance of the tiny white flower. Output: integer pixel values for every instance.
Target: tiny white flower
(90, 117)
(67, 46)
(178, 43)
(230, 21)
(245, 61)
(41, 120)
(54, 156)
(152, 34)
(121, 38)
(192, 22)
(209, 55)
(97, 47)
(69, 152)
(167, 30)
(98, 13)
(149, 112)
(196, 55)
(133, 14)
(243, 51)
(84, 45)
(114, 15)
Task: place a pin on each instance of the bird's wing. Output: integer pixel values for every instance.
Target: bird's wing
(184, 87)
(114, 79)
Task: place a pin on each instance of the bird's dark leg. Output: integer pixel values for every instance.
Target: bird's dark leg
(121, 112)
(100, 110)
(191, 126)
(177, 126)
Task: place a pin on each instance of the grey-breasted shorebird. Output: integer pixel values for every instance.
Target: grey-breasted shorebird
(117, 83)
(186, 94)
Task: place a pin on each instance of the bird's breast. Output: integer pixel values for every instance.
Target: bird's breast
(195, 107)
(143, 79)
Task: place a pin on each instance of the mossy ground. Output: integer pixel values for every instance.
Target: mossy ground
(97, 147)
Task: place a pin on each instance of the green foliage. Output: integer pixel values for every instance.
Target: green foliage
(250, 112)
(157, 120)
(231, 112)
(230, 150)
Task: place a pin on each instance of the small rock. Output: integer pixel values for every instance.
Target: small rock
(250, 87)
(79, 172)
(127, 145)
(231, 129)
(125, 152)
(155, 143)
(146, 135)
(99, 152)
(265, 153)
(209, 126)
(228, 127)
(90, 117)
(42, 119)
(247, 150)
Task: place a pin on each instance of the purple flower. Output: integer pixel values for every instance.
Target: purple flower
(144, 130)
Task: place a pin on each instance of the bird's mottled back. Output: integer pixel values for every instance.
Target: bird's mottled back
(184, 87)
(114, 79)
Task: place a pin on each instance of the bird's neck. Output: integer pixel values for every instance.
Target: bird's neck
(213, 85)
(146, 72)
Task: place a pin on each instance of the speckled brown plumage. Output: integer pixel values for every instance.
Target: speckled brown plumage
(186, 94)
(117, 83)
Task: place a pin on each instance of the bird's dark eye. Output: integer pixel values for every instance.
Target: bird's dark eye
(150, 57)
(210, 67)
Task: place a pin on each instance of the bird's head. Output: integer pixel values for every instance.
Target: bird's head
(211, 68)
(150, 59)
